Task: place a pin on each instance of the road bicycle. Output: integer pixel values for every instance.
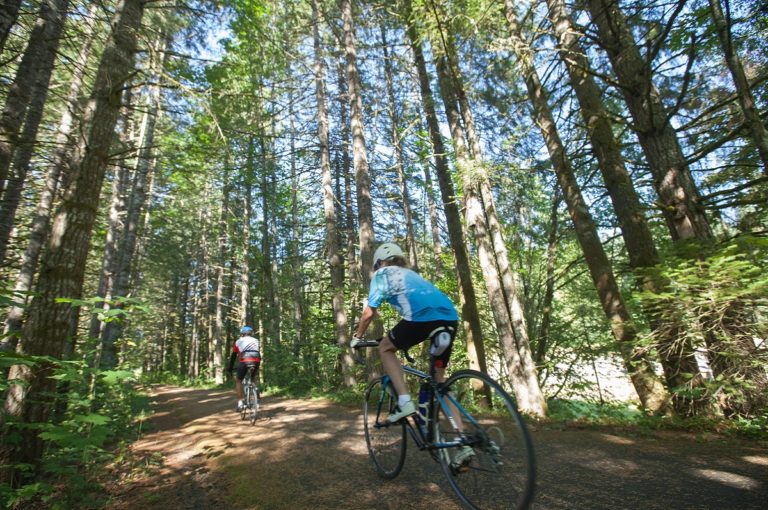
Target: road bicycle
(468, 409)
(251, 393)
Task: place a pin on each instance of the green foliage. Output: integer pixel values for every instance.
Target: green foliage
(95, 411)
(594, 413)
(575, 412)
(716, 298)
(118, 309)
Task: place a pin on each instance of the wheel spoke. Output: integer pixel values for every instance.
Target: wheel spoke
(498, 471)
(386, 442)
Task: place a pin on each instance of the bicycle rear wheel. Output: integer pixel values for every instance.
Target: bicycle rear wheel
(386, 443)
(253, 404)
(499, 471)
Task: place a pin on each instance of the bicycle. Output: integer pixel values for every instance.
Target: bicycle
(468, 409)
(251, 394)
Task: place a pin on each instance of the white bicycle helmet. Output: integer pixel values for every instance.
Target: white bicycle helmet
(385, 252)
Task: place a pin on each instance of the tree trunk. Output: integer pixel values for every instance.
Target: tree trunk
(528, 393)
(218, 325)
(109, 260)
(266, 245)
(360, 156)
(9, 11)
(246, 316)
(677, 357)
(648, 387)
(349, 226)
(45, 333)
(680, 203)
(58, 170)
(136, 206)
(182, 325)
(296, 259)
(542, 338)
(483, 221)
(752, 118)
(672, 177)
(335, 261)
(31, 83)
(469, 312)
(410, 238)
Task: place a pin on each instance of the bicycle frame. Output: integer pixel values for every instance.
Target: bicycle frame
(422, 432)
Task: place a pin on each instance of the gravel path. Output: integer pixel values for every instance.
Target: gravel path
(198, 454)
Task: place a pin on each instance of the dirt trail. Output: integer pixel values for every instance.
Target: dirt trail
(198, 454)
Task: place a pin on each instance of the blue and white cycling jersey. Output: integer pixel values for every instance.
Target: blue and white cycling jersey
(415, 298)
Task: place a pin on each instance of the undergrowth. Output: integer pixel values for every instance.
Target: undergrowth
(623, 414)
(96, 414)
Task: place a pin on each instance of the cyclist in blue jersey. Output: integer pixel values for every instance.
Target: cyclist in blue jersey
(427, 313)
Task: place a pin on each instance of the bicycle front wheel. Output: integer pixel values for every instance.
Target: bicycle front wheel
(386, 442)
(253, 404)
(495, 465)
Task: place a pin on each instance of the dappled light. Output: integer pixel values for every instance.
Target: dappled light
(304, 453)
(561, 207)
(760, 460)
(618, 440)
(730, 479)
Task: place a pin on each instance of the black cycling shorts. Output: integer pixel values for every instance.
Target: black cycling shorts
(406, 334)
(242, 369)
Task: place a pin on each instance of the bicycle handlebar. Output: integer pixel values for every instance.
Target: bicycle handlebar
(368, 343)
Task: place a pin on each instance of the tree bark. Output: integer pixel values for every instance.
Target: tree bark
(470, 314)
(359, 153)
(58, 170)
(136, 205)
(218, 325)
(270, 331)
(410, 238)
(672, 179)
(31, 83)
(676, 356)
(480, 215)
(246, 316)
(542, 338)
(9, 12)
(63, 270)
(335, 260)
(349, 226)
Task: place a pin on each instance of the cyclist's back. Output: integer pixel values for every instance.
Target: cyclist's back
(247, 349)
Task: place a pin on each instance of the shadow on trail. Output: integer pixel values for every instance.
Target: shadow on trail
(174, 407)
(604, 470)
(312, 454)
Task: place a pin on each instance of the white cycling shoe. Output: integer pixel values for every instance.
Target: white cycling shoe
(402, 411)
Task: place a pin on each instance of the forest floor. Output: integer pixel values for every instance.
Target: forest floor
(196, 453)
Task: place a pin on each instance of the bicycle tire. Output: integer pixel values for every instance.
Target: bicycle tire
(253, 404)
(386, 443)
(502, 472)
(244, 409)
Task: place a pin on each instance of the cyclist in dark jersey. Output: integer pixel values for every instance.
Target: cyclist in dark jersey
(248, 349)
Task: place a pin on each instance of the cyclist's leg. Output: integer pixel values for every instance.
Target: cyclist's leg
(392, 366)
(442, 358)
(239, 388)
(242, 368)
